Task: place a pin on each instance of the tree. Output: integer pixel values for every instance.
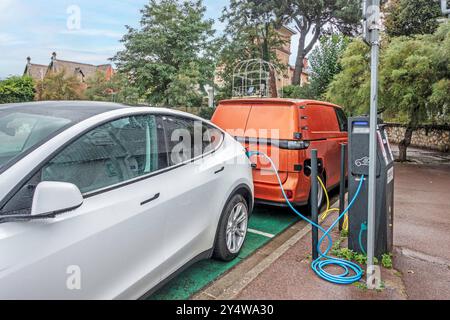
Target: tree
(115, 89)
(59, 86)
(315, 18)
(415, 75)
(410, 17)
(414, 81)
(250, 33)
(325, 62)
(170, 56)
(99, 88)
(351, 87)
(16, 89)
(299, 92)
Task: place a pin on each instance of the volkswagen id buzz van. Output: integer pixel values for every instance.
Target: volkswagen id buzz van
(287, 130)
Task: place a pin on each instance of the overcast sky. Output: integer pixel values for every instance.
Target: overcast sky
(37, 28)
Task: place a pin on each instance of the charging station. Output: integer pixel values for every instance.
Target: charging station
(358, 164)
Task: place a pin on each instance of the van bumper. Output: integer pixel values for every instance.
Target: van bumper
(270, 194)
(280, 204)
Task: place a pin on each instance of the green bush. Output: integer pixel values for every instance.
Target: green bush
(206, 113)
(386, 260)
(297, 92)
(16, 89)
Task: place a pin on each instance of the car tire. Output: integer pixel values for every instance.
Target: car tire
(232, 229)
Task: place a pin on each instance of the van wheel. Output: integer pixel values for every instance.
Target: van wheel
(320, 196)
(232, 229)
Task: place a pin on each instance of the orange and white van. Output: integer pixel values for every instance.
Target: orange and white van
(287, 130)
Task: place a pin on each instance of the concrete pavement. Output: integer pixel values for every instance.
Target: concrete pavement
(422, 230)
(421, 254)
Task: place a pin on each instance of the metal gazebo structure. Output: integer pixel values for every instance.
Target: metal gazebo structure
(256, 78)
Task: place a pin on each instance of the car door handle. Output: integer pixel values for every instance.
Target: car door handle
(219, 171)
(156, 196)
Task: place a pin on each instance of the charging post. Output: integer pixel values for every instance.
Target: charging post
(314, 204)
(342, 190)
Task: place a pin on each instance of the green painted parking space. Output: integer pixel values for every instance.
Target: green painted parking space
(266, 220)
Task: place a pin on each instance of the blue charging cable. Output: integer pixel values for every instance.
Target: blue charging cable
(324, 260)
(361, 230)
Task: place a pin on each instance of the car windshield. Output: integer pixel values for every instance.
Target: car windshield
(21, 131)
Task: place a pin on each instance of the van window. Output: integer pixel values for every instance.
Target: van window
(342, 119)
(322, 118)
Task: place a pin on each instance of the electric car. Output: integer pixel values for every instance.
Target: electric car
(106, 201)
(287, 130)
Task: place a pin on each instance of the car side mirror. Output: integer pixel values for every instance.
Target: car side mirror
(55, 197)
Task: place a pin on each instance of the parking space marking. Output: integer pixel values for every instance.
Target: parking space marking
(261, 233)
(234, 289)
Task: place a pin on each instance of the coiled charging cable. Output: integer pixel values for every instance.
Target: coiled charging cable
(351, 272)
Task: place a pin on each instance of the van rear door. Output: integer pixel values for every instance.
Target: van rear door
(268, 126)
(322, 128)
(232, 117)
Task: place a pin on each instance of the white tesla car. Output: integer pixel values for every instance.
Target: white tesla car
(104, 201)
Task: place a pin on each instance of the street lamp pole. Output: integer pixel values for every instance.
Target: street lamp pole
(372, 27)
(445, 9)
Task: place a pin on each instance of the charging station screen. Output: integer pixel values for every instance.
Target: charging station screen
(361, 127)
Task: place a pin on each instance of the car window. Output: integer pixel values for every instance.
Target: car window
(212, 138)
(21, 131)
(110, 154)
(180, 135)
(21, 202)
(189, 138)
(342, 119)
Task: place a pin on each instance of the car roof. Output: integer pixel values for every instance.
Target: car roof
(75, 111)
(281, 101)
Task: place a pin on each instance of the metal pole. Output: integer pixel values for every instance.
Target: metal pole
(342, 185)
(444, 8)
(375, 44)
(314, 204)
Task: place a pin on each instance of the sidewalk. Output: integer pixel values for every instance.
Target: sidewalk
(422, 156)
(422, 230)
(421, 255)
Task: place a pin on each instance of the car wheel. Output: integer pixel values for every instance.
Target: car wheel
(232, 229)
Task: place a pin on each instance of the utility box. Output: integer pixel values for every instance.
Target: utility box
(358, 164)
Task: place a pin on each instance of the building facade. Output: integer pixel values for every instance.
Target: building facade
(283, 54)
(82, 71)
